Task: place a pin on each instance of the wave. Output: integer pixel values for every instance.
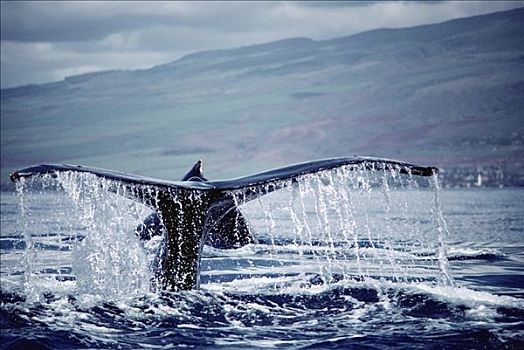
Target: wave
(475, 254)
(310, 311)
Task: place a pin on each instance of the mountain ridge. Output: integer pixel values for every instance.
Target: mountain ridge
(454, 101)
(518, 13)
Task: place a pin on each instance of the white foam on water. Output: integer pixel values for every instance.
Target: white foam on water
(468, 297)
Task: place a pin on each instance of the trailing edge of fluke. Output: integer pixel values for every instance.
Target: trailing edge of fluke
(195, 211)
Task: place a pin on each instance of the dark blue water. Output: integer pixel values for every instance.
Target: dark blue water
(278, 293)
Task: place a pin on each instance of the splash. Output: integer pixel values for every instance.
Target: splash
(357, 224)
(90, 229)
(109, 260)
(30, 254)
(346, 223)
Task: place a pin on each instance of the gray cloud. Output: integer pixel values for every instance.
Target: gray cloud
(46, 41)
(336, 3)
(80, 21)
(44, 22)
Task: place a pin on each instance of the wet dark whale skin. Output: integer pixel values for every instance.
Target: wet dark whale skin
(192, 209)
(232, 231)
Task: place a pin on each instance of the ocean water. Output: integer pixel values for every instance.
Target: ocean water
(352, 264)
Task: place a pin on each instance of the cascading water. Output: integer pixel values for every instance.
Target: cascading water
(109, 260)
(93, 226)
(354, 224)
(343, 223)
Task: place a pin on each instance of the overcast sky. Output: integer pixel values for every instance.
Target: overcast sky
(46, 41)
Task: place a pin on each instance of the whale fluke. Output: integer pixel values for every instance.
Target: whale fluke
(231, 231)
(195, 210)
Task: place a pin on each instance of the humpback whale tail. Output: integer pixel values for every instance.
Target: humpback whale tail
(195, 210)
(231, 231)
